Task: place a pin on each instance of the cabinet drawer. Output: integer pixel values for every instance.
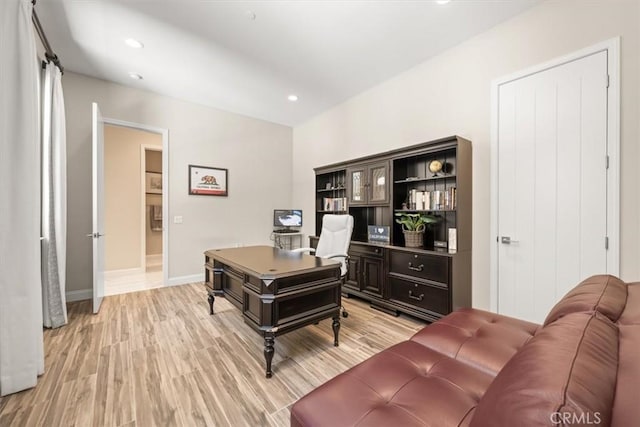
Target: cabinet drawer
(419, 295)
(425, 266)
(358, 250)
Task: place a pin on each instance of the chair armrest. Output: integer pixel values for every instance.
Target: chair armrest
(299, 250)
(345, 256)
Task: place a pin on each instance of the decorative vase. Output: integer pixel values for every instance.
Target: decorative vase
(414, 239)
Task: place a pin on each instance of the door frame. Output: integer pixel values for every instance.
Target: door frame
(612, 47)
(165, 192)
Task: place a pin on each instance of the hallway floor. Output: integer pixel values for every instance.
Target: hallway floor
(125, 281)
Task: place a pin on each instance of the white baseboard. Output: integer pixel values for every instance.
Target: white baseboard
(183, 280)
(79, 295)
(154, 259)
(123, 272)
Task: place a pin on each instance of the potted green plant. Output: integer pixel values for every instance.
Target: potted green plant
(414, 226)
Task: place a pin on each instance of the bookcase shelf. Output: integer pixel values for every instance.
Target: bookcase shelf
(414, 180)
(330, 190)
(423, 210)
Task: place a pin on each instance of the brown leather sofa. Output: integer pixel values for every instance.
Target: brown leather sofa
(581, 367)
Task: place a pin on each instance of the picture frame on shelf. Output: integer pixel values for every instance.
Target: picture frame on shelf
(153, 183)
(208, 181)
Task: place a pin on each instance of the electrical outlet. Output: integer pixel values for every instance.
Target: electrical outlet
(177, 219)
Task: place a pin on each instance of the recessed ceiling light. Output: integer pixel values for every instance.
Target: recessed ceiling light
(136, 44)
(442, 1)
(135, 76)
(292, 98)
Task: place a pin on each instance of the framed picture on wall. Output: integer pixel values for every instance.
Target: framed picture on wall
(153, 183)
(207, 181)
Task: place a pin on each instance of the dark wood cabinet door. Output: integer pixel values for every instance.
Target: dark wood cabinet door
(357, 186)
(378, 183)
(353, 273)
(372, 276)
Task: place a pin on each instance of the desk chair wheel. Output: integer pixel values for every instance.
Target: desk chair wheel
(345, 314)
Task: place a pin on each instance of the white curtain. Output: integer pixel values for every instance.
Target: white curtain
(21, 345)
(54, 199)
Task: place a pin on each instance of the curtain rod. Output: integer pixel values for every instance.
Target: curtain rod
(49, 54)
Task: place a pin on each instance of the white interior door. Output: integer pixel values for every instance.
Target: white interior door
(97, 234)
(552, 184)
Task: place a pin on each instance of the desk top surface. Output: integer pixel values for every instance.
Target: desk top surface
(267, 261)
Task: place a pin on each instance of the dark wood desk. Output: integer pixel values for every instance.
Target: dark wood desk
(278, 291)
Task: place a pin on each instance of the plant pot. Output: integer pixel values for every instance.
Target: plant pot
(413, 239)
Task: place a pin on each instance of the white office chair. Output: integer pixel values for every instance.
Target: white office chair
(335, 237)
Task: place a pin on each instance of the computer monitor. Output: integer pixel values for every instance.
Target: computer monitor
(287, 218)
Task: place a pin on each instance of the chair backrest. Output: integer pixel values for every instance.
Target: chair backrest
(335, 237)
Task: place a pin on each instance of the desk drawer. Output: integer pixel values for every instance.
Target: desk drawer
(420, 295)
(424, 266)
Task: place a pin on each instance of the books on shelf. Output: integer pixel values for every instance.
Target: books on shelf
(437, 200)
(334, 203)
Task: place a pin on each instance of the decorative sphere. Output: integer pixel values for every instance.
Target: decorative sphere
(435, 166)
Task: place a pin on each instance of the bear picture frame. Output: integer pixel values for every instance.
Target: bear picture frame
(208, 181)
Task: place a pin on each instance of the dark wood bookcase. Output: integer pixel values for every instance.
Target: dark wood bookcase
(427, 282)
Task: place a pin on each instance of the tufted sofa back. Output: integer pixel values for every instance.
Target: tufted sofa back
(603, 293)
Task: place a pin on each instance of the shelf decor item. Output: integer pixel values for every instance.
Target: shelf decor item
(153, 183)
(435, 166)
(413, 227)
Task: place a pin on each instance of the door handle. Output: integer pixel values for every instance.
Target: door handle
(418, 268)
(417, 298)
(507, 240)
(95, 235)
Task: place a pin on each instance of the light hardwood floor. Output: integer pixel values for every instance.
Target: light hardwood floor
(156, 358)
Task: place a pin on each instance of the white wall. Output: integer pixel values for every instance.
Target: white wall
(257, 154)
(450, 94)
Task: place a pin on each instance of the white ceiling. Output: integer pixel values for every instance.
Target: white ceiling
(213, 53)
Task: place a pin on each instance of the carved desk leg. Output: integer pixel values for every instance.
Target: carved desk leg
(336, 329)
(269, 340)
(211, 300)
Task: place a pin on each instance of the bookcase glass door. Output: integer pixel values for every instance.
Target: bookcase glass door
(357, 186)
(378, 184)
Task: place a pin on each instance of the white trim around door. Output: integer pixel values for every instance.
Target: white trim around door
(612, 47)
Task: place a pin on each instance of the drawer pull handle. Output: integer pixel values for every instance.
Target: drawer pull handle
(419, 298)
(418, 268)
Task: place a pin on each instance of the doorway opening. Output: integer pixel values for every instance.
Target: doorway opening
(133, 209)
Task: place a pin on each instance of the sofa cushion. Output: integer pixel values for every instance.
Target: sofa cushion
(604, 293)
(477, 338)
(405, 385)
(566, 373)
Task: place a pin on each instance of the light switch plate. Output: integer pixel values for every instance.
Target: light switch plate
(177, 219)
